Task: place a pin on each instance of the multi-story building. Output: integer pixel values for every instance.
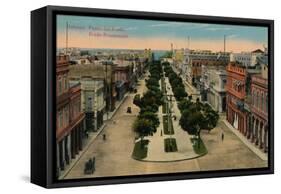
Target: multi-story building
(69, 117)
(93, 101)
(236, 94)
(247, 102)
(124, 72)
(178, 58)
(259, 107)
(213, 83)
(148, 54)
(247, 59)
(194, 59)
(196, 70)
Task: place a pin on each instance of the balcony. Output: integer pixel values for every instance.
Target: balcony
(62, 59)
(236, 69)
(63, 99)
(240, 95)
(258, 80)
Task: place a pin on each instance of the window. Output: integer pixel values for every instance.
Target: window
(266, 104)
(59, 85)
(258, 100)
(262, 102)
(65, 83)
(254, 97)
(66, 116)
(60, 119)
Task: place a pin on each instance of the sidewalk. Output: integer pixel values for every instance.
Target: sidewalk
(92, 137)
(86, 145)
(118, 104)
(252, 147)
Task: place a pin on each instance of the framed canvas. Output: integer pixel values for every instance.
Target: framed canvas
(126, 96)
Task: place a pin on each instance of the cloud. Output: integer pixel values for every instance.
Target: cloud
(218, 28)
(232, 36)
(167, 24)
(130, 28)
(177, 24)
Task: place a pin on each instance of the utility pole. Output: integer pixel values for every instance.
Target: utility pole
(106, 89)
(224, 48)
(169, 114)
(224, 43)
(66, 38)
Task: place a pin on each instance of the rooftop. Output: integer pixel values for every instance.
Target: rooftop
(91, 70)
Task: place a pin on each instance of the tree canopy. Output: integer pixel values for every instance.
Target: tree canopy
(197, 116)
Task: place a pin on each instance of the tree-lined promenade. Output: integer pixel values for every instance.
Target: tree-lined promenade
(165, 88)
(194, 116)
(147, 120)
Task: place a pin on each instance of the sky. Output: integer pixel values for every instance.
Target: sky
(117, 33)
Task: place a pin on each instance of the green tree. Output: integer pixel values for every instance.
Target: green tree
(184, 104)
(152, 82)
(197, 117)
(176, 82)
(151, 117)
(143, 127)
(179, 93)
(211, 117)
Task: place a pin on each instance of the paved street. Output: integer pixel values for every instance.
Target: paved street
(230, 153)
(113, 156)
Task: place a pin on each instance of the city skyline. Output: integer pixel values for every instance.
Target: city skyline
(109, 33)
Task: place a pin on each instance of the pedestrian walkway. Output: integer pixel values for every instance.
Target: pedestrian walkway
(251, 146)
(156, 150)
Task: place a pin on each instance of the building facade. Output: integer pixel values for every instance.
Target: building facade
(259, 107)
(92, 100)
(247, 102)
(259, 131)
(236, 94)
(124, 73)
(213, 83)
(195, 59)
(247, 59)
(69, 117)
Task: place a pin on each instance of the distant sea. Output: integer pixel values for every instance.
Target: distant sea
(157, 53)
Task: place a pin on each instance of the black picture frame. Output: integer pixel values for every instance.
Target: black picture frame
(43, 52)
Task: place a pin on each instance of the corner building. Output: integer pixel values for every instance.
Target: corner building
(69, 118)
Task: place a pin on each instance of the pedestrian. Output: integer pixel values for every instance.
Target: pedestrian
(161, 133)
(222, 136)
(104, 137)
